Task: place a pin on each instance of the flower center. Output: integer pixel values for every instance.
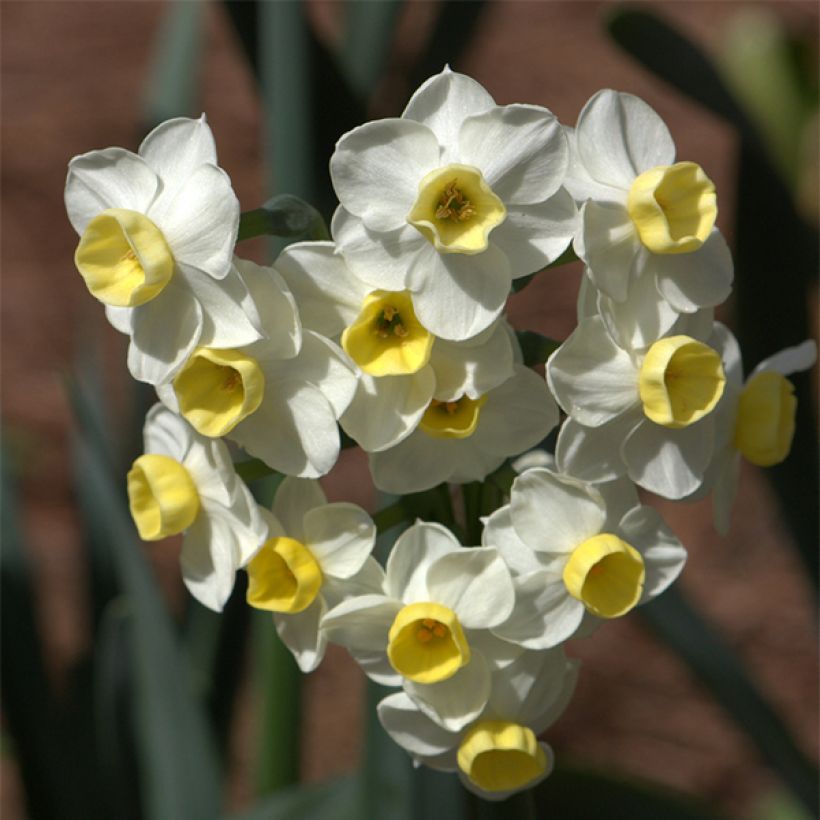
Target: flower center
(500, 756)
(162, 496)
(680, 381)
(216, 389)
(606, 574)
(283, 576)
(387, 339)
(452, 419)
(764, 427)
(426, 643)
(456, 209)
(124, 258)
(673, 207)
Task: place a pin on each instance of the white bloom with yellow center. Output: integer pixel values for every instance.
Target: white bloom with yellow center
(644, 216)
(280, 397)
(428, 629)
(186, 483)
(403, 366)
(316, 554)
(452, 201)
(157, 232)
(574, 555)
(498, 753)
(755, 420)
(646, 411)
(464, 439)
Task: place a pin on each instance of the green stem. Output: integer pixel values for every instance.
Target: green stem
(519, 806)
(390, 517)
(252, 470)
(473, 498)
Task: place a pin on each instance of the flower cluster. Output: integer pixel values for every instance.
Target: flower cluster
(395, 332)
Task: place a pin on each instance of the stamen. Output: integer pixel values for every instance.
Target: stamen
(424, 635)
(390, 322)
(453, 205)
(232, 380)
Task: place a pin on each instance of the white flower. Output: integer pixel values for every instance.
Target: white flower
(452, 201)
(280, 397)
(643, 410)
(428, 629)
(647, 221)
(754, 420)
(157, 232)
(403, 365)
(497, 754)
(465, 439)
(186, 483)
(572, 554)
(316, 554)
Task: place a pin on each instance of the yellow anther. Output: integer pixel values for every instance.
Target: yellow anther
(424, 635)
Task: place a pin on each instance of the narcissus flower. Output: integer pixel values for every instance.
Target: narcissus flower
(645, 410)
(498, 753)
(755, 420)
(452, 201)
(428, 629)
(157, 232)
(316, 554)
(571, 555)
(404, 366)
(644, 216)
(186, 483)
(280, 397)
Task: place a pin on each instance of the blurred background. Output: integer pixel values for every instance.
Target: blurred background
(729, 719)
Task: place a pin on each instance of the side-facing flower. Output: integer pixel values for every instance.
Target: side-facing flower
(279, 397)
(428, 629)
(571, 556)
(157, 232)
(453, 200)
(498, 753)
(186, 483)
(316, 554)
(403, 366)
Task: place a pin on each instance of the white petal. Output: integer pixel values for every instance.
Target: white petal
(593, 453)
(520, 149)
(294, 498)
(462, 295)
(443, 102)
(328, 294)
(619, 137)
(499, 533)
(165, 332)
(361, 624)
(455, 702)
(111, 178)
(383, 260)
(609, 244)
(663, 555)
(166, 433)
(580, 184)
(545, 613)
(301, 634)
(689, 281)
(416, 463)
(476, 584)
(555, 513)
(376, 169)
(412, 554)
(592, 378)
(532, 236)
(387, 409)
(411, 729)
(791, 360)
(177, 147)
(200, 220)
(340, 536)
(670, 463)
(326, 365)
(121, 318)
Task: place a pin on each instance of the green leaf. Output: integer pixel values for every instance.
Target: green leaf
(368, 35)
(688, 634)
(176, 752)
(535, 348)
(334, 800)
(252, 470)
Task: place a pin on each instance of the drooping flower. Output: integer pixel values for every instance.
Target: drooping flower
(452, 201)
(157, 232)
(186, 483)
(498, 753)
(316, 554)
(646, 221)
(279, 397)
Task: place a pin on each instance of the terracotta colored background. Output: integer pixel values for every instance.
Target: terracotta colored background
(73, 75)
